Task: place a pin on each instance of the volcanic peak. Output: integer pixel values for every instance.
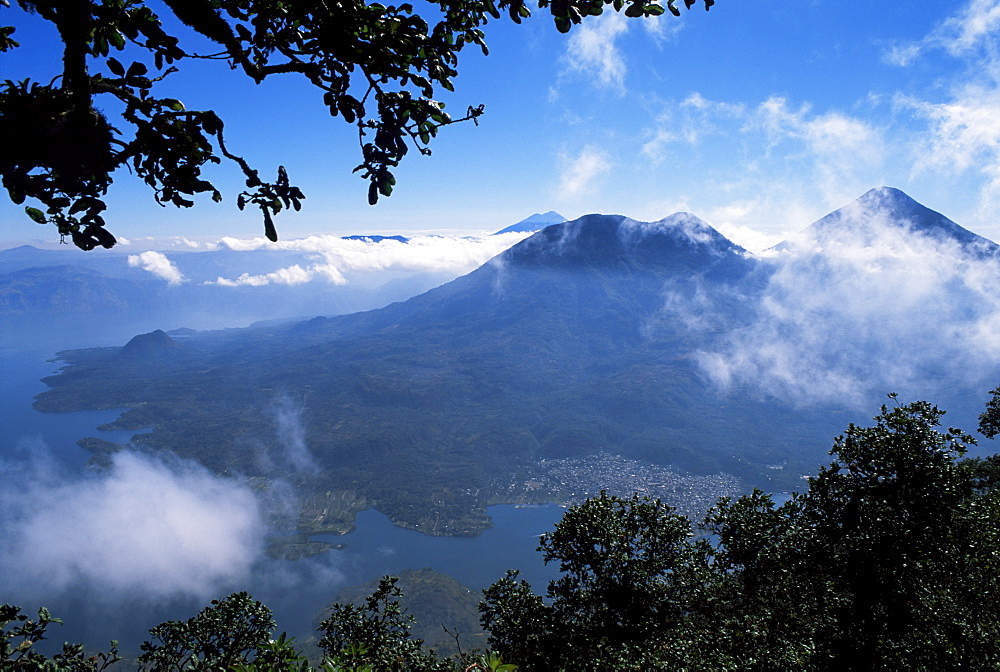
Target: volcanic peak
(886, 211)
(615, 241)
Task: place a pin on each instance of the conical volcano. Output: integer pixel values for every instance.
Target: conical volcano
(885, 213)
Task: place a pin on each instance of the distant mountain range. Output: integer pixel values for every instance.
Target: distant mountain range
(109, 295)
(658, 341)
(534, 223)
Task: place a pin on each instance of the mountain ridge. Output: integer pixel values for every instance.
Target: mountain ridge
(584, 338)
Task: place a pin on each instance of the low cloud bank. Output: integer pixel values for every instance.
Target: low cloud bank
(334, 259)
(291, 275)
(144, 528)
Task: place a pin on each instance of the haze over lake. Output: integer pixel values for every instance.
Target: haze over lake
(295, 590)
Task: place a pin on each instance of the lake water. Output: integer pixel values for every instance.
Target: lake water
(295, 591)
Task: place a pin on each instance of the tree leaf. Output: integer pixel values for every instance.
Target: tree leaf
(36, 214)
(115, 67)
(269, 230)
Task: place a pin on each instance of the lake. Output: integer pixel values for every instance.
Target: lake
(294, 590)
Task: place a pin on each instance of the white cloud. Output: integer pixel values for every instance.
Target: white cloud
(834, 139)
(337, 259)
(169, 243)
(865, 310)
(580, 171)
(292, 275)
(292, 436)
(158, 264)
(843, 151)
(974, 26)
(901, 54)
(766, 167)
(689, 122)
(746, 237)
(840, 152)
(143, 527)
(979, 21)
(963, 135)
(663, 28)
(592, 50)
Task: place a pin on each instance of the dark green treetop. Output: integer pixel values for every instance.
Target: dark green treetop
(20, 635)
(376, 635)
(888, 561)
(630, 574)
(232, 631)
(377, 66)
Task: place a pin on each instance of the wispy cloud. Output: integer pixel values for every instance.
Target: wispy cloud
(168, 243)
(688, 123)
(961, 138)
(972, 28)
(833, 141)
(841, 149)
(963, 135)
(663, 28)
(580, 171)
(787, 153)
(158, 264)
(592, 51)
(292, 436)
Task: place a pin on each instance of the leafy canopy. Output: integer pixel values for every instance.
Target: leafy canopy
(20, 634)
(232, 631)
(888, 561)
(377, 66)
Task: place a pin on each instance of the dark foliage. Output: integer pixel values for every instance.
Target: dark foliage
(377, 66)
(887, 562)
(377, 634)
(20, 635)
(235, 630)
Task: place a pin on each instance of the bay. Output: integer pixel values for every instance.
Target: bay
(295, 590)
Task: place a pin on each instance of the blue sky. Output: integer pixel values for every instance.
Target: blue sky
(758, 116)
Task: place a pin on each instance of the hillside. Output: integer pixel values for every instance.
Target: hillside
(589, 337)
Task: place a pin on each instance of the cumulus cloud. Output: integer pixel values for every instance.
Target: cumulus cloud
(143, 527)
(292, 275)
(334, 259)
(864, 309)
(158, 264)
(592, 50)
(580, 171)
